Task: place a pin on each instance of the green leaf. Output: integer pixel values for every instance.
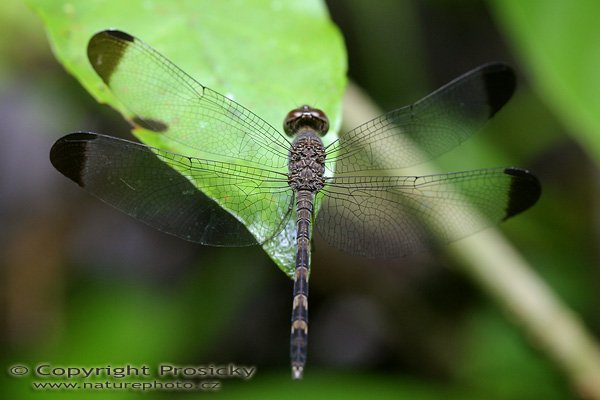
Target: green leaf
(559, 42)
(269, 56)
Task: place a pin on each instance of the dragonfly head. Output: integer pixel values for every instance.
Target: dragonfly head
(306, 116)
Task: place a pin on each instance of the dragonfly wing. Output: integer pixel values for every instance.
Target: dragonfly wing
(166, 100)
(391, 216)
(428, 128)
(155, 186)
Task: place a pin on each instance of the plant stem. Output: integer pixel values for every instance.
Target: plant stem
(497, 267)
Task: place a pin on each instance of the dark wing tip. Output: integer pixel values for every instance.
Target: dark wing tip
(105, 50)
(524, 192)
(150, 124)
(68, 155)
(500, 82)
(117, 34)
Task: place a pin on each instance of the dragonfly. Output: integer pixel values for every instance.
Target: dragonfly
(349, 190)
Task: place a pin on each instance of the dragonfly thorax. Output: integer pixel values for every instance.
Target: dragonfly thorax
(307, 162)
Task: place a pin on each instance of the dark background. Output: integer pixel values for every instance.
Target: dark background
(86, 285)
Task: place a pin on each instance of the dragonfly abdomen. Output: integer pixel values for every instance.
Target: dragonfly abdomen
(299, 332)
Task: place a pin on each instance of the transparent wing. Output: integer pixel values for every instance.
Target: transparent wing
(155, 186)
(391, 216)
(166, 100)
(428, 128)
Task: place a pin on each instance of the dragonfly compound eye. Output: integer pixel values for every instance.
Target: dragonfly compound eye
(306, 116)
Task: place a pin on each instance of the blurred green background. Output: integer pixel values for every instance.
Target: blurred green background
(85, 285)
